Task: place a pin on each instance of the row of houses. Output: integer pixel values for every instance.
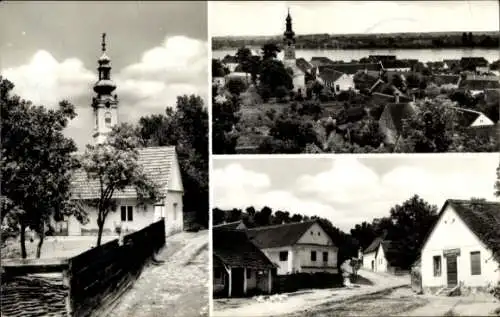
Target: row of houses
(247, 260)
(462, 250)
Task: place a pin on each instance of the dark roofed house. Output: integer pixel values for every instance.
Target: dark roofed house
(317, 61)
(304, 65)
(353, 68)
(239, 267)
(161, 165)
(396, 65)
(297, 247)
(471, 259)
(392, 118)
(382, 58)
(235, 225)
(476, 85)
(382, 256)
(335, 80)
(472, 63)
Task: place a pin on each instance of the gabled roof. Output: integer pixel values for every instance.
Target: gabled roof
(157, 163)
(320, 61)
(374, 245)
(481, 217)
(234, 248)
(394, 113)
(279, 235)
(395, 64)
(477, 61)
(330, 75)
(303, 65)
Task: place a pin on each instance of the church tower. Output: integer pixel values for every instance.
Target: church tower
(105, 104)
(289, 43)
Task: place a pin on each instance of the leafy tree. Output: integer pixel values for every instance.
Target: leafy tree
(114, 166)
(497, 183)
(427, 131)
(281, 92)
(36, 165)
(364, 233)
(366, 132)
(273, 75)
(217, 216)
(224, 118)
(236, 86)
(186, 128)
(218, 69)
(244, 55)
(270, 51)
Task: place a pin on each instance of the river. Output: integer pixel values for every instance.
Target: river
(423, 55)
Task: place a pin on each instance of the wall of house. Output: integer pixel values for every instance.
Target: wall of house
(299, 82)
(251, 276)
(142, 217)
(381, 264)
(284, 267)
(367, 260)
(219, 279)
(450, 225)
(263, 281)
(174, 217)
(482, 120)
(315, 239)
(345, 82)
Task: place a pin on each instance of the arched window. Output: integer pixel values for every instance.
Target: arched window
(107, 119)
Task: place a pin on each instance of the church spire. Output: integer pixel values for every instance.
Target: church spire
(289, 34)
(104, 103)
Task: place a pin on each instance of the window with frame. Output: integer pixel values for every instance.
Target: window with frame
(325, 256)
(107, 119)
(313, 256)
(436, 260)
(175, 211)
(127, 213)
(475, 263)
(283, 256)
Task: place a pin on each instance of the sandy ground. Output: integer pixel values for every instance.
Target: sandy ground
(304, 300)
(177, 287)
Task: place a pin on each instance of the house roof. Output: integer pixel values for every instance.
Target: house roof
(320, 60)
(451, 62)
(394, 114)
(353, 68)
(230, 225)
(229, 59)
(395, 64)
(329, 75)
(481, 217)
(157, 163)
(479, 84)
(303, 65)
(234, 248)
(467, 117)
(374, 245)
(478, 61)
(447, 79)
(279, 235)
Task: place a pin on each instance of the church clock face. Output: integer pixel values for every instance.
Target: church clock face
(289, 53)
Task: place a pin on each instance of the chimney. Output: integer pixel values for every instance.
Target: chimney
(396, 97)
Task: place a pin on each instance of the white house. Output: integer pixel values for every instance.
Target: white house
(369, 254)
(161, 165)
(457, 253)
(335, 80)
(297, 247)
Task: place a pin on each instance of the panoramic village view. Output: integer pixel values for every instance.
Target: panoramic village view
(357, 236)
(412, 82)
(104, 188)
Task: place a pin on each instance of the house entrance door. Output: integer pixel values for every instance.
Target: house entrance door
(237, 277)
(451, 270)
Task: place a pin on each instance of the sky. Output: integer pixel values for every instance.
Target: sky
(349, 189)
(158, 50)
(243, 18)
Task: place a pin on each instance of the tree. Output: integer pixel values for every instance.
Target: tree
(236, 86)
(186, 128)
(366, 132)
(36, 165)
(243, 55)
(114, 166)
(412, 221)
(224, 118)
(428, 130)
(270, 51)
(273, 75)
(497, 183)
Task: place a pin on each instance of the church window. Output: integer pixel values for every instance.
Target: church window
(107, 119)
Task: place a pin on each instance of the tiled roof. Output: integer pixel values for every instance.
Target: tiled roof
(320, 61)
(233, 248)
(393, 115)
(303, 65)
(352, 68)
(155, 161)
(477, 61)
(395, 64)
(279, 235)
(329, 75)
(374, 245)
(447, 79)
(230, 225)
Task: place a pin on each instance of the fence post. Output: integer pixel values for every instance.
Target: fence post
(67, 275)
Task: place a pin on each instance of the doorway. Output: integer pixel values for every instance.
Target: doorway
(451, 270)
(237, 277)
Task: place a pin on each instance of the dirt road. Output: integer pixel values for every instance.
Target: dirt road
(297, 303)
(176, 288)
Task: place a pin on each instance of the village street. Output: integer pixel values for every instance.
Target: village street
(177, 287)
(296, 303)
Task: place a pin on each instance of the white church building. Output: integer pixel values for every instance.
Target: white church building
(159, 163)
(290, 60)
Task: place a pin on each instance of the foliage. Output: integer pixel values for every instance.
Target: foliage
(36, 164)
(218, 69)
(270, 51)
(273, 75)
(497, 182)
(236, 86)
(366, 132)
(224, 118)
(114, 166)
(186, 128)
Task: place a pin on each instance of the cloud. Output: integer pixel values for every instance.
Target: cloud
(177, 66)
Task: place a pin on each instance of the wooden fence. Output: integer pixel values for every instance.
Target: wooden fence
(98, 277)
